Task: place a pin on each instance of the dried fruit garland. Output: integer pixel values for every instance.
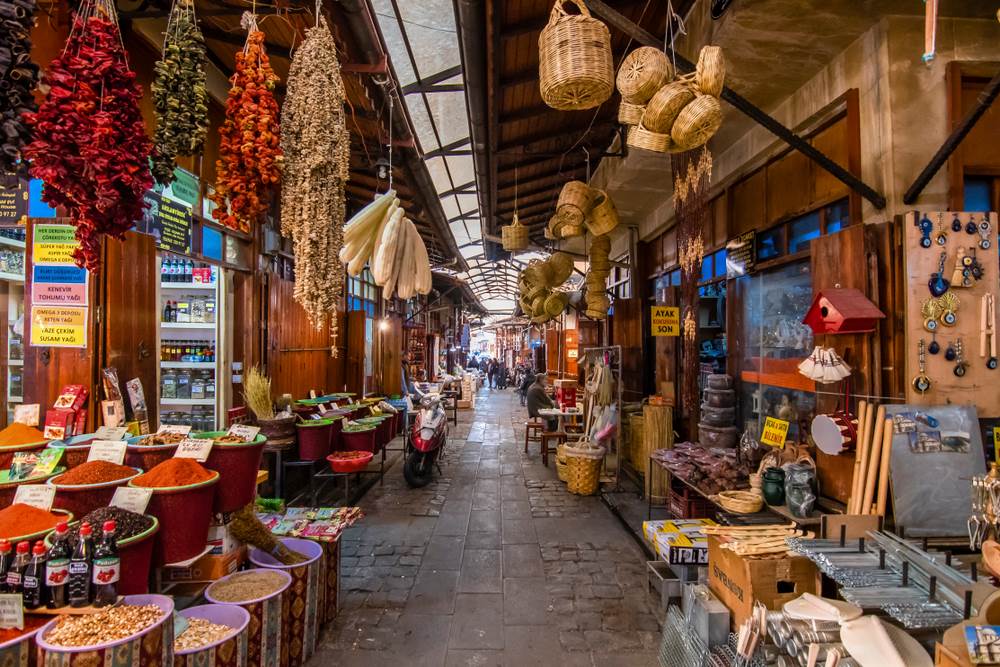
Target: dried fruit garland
(316, 148)
(249, 164)
(179, 94)
(90, 146)
(18, 78)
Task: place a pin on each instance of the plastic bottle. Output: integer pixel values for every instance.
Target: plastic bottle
(107, 568)
(34, 578)
(16, 572)
(6, 560)
(57, 569)
(79, 568)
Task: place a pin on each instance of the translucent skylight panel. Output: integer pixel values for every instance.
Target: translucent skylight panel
(386, 18)
(462, 168)
(421, 123)
(471, 251)
(450, 207)
(439, 174)
(430, 25)
(498, 305)
(450, 115)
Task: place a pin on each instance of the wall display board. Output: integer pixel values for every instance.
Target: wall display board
(953, 285)
(936, 450)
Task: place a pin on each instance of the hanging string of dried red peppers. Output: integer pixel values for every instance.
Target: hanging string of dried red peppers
(90, 146)
(249, 166)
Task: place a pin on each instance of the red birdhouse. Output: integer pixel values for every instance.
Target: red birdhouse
(841, 311)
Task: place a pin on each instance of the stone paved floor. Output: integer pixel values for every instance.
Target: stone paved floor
(492, 564)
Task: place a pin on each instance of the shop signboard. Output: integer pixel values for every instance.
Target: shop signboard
(13, 201)
(775, 432)
(666, 321)
(59, 289)
(168, 222)
(741, 255)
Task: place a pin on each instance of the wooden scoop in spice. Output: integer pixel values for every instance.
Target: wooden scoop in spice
(247, 528)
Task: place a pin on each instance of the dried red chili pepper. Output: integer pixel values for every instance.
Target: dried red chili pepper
(90, 146)
(249, 165)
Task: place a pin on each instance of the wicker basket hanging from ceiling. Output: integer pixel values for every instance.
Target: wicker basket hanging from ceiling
(640, 137)
(696, 123)
(561, 266)
(575, 69)
(556, 304)
(600, 243)
(604, 216)
(662, 110)
(630, 114)
(548, 233)
(538, 303)
(642, 73)
(576, 196)
(514, 236)
(710, 74)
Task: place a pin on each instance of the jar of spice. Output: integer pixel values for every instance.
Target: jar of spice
(168, 385)
(198, 386)
(184, 384)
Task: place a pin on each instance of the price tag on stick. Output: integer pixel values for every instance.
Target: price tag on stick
(112, 451)
(182, 429)
(133, 499)
(110, 433)
(245, 432)
(194, 448)
(11, 611)
(775, 432)
(36, 495)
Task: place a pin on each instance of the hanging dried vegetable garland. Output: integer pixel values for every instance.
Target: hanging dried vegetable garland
(249, 166)
(18, 78)
(179, 94)
(90, 146)
(316, 159)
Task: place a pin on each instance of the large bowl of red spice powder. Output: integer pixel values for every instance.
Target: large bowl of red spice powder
(183, 495)
(8, 488)
(19, 437)
(90, 485)
(20, 522)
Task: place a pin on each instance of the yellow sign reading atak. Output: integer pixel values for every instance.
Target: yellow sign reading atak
(58, 326)
(666, 321)
(775, 432)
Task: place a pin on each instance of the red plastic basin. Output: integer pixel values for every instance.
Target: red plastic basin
(237, 463)
(185, 513)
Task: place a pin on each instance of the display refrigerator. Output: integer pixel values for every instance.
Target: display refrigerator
(12, 256)
(191, 342)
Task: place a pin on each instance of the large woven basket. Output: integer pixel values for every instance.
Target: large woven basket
(538, 305)
(604, 216)
(600, 243)
(640, 137)
(561, 268)
(642, 73)
(514, 236)
(630, 114)
(662, 110)
(740, 502)
(569, 231)
(556, 304)
(548, 233)
(577, 194)
(575, 70)
(696, 123)
(711, 71)
(583, 469)
(598, 301)
(561, 466)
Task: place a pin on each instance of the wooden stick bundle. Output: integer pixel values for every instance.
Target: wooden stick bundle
(883, 474)
(860, 454)
(874, 459)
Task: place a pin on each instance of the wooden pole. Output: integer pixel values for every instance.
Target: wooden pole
(883, 475)
(858, 455)
(874, 459)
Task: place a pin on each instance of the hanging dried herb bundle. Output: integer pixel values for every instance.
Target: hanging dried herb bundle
(249, 165)
(18, 78)
(316, 149)
(692, 174)
(90, 145)
(179, 94)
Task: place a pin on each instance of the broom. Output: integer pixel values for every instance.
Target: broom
(247, 528)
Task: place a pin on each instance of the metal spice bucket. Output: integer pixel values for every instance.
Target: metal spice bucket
(147, 457)
(151, 646)
(184, 513)
(231, 650)
(314, 439)
(306, 596)
(265, 642)
(7, 452)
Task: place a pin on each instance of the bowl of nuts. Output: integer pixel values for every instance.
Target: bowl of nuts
(213, 631)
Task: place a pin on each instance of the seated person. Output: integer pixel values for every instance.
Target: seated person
(538, 399)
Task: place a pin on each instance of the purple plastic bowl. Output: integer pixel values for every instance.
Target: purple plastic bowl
(208, 591)
(166, 604)
(313, 551)
(232, 615)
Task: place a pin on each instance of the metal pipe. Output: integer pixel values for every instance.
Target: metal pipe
(986, 99)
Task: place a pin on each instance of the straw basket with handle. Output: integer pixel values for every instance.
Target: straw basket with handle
(576, 196)
(639, 137)
(514, 236)
(642, 73)
(604, 216)
(575, 69)
(696, 123)
(630, 114)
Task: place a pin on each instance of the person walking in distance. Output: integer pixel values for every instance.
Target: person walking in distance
(491, 371)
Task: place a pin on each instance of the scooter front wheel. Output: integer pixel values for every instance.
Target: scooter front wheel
(418, 469)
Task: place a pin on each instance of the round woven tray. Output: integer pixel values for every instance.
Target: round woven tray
(642, 73)
(696, 123)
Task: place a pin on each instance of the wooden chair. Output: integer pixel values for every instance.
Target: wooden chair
(532, 432)
(558, 437)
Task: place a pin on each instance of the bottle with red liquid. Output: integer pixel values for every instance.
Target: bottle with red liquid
(107, 568)
(79, 568)
(16, 572)
(6, 560)
(34, 578)
(57, 568)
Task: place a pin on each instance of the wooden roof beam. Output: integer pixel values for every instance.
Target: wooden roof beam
(544, 143)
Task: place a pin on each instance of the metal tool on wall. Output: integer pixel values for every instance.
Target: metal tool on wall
(987, 330)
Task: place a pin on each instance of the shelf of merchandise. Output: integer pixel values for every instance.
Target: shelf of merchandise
(13, 243)
(188, 286)
(187, 401)
(200, 365)
(11, 277)
(15, 362)
(188, 325)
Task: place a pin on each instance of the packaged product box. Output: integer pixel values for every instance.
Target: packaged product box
(72, 396)
(59, 423)
(206, 568)
(678, 541)
(739, 580)
(80, 422)
(220, 535)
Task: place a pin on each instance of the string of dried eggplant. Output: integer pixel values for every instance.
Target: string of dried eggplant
(180, 97)
(18, 78)
(316, 148)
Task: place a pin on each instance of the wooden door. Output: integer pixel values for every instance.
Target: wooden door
(130, 314)
(354, 363)
(392, 356)
(627, 332)
(297, 352)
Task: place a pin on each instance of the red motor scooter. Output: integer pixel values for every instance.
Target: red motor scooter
(427, 439)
